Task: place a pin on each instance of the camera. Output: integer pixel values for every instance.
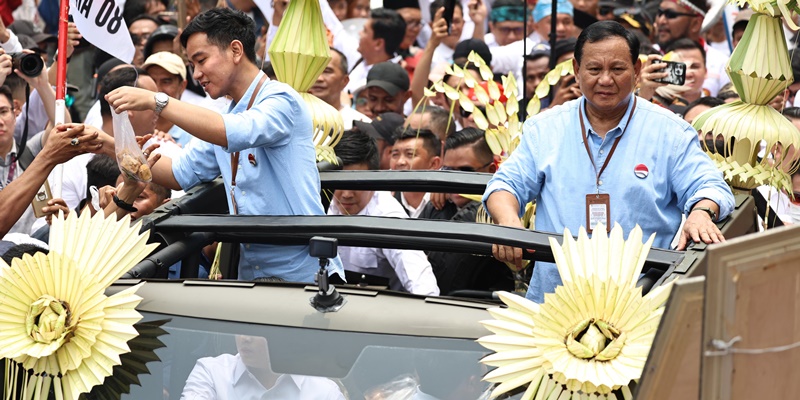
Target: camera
(676, 73)
(323, 247)
(29, 64)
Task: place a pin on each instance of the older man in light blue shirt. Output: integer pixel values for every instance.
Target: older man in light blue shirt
(656, 174)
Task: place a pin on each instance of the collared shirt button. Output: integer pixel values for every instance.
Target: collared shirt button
(243, 193)
(602, 151)
(600, 183)
(257, 267)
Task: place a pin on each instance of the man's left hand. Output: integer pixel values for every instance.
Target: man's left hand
(699, 228)
(131, 98)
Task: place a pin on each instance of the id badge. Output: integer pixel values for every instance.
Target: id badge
(598, 210)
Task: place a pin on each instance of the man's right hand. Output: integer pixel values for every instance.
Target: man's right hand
(439, 28)
(59, 147)
(5, 66)
(564, 92)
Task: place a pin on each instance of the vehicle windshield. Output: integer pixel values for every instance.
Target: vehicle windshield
(208, 359)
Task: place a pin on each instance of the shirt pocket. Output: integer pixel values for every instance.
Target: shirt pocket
(363, 259)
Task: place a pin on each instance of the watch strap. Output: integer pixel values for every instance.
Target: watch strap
(708, 211)
(123, 205)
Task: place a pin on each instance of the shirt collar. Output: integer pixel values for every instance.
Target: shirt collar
(11, 153)
(250, 89)
(613, 133)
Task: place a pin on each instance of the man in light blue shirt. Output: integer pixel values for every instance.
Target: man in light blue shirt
(646, 163)
(268, 125)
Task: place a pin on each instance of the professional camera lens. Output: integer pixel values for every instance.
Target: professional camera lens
(29, 64)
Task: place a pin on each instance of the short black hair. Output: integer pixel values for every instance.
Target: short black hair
(441, 122)
(430, 141)
(727, 91)
(136, 15)
(356, 147)
(791, 112)
(437, 4)
(16, 84)
(605, 30)
(5, 91)
(342, 60)
(101, 170)
(708, 101)
(161, 192)
(223, 26)
(126, 76)
(471, 137)
(686, 44)
(20, 250)
(390, 26)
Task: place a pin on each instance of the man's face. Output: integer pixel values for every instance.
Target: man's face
(694, 112)
(331, 82)
(7, 122)
(606, 75)
(167, 82)
(695, 69)
(144, 122)
(140, 30)
(587, 6)
(737, 35)
(351, 202)
(162, 45)
(413, 19)
(213, 67)
(379, 101)
(565, 27)
(536, 70)
(146, 203)
(507, 32)
(412, 154)
(685, 24)
(367, 44)
(358, 9)
(464, 159)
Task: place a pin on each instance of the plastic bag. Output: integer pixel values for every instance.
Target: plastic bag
(403, 387)
(130, 158)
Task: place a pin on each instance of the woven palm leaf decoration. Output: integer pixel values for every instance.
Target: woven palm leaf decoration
(56, 321)
(759, 69)
(588, 340)
(299, 54)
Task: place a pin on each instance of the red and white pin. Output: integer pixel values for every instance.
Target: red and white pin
(641, 171)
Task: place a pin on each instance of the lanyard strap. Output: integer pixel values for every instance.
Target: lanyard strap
(235, 155)
(613, 147)
(12, 168)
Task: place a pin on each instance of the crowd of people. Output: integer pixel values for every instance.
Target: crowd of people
(205, 102)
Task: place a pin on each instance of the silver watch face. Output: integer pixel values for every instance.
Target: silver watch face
(162, 99)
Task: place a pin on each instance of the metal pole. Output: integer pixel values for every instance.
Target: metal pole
(553, 21)
(61, 83)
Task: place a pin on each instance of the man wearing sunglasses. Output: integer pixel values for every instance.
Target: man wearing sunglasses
(677, 19)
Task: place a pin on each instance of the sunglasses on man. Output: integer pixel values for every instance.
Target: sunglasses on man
(466, 168)
(672, 14)
(465, 114)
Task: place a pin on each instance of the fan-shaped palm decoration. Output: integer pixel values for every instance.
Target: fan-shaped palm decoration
(55, 319)
(589, 339)
(300, 53)
(759, 69)
(543, 89)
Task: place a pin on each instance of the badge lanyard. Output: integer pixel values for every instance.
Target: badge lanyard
(12, 168)
(235, 155)
(598, 205)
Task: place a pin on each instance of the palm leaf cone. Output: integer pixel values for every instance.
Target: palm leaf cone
(759, 69)
(299, 53)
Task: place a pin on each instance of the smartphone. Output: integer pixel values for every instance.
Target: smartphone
(43, 195)
(449, 8)
(676, 73)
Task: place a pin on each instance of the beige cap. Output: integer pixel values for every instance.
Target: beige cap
(743, 15)
(169, 61)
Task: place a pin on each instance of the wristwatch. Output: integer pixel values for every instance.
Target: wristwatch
(707, 210)
(161, 101)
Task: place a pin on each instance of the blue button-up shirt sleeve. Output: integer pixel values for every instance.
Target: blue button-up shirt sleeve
(695, 177)
(269, 123)
(197, 164)
(518, 175)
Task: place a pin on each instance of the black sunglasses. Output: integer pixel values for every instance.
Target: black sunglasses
(465, 114)
(467, 168)
(604, 10)
(672, 14)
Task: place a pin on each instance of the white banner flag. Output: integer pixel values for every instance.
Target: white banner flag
(101, 23)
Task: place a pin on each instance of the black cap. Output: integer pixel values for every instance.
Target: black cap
(564, 46)
(382, 127)
(25, 27)
(163, 32)
(538, 51)
(398, 4)
(464, 47)
(388, 76)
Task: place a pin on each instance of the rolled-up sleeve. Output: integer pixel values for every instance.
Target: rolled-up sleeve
(695, 177)
(518, 174)
(196, 165)
(414, 271)
(269, 123)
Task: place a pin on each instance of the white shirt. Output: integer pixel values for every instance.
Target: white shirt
(225, 377)
(415, 212)
(442, 55)
(351, 114)
(779, 202)
(358, 76)
(716, 77)
(12, 45)
(406, 269)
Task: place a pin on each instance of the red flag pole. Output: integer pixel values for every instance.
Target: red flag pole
(61, 84)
